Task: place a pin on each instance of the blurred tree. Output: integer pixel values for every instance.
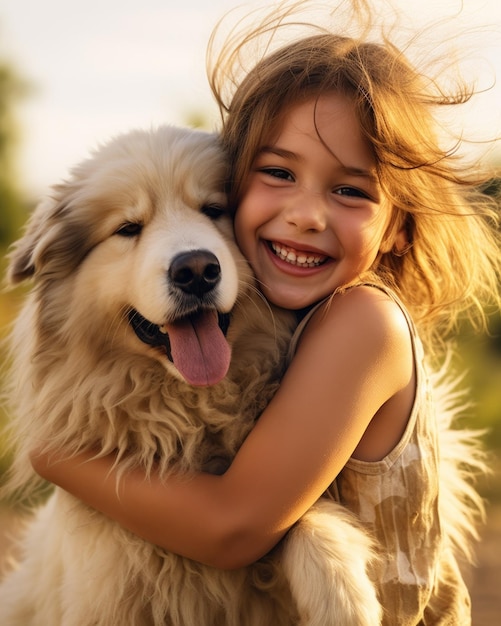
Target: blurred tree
(493, 188)
(12, 205)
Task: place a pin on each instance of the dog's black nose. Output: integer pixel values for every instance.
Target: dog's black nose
(195, 272)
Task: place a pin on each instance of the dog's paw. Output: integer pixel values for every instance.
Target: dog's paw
(326, 558)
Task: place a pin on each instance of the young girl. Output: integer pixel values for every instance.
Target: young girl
(351, 214)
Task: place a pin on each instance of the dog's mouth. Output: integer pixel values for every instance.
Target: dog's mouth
(195, 344)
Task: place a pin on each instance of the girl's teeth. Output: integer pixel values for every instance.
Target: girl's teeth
(296, 258)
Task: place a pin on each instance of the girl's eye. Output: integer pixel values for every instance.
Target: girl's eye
(277, 172)
(129, 229)
(352, 192)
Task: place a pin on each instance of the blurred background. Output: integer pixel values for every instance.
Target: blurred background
(72, 74)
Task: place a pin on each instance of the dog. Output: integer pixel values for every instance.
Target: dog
(144, 334)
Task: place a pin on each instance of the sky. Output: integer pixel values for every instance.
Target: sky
(101, 67)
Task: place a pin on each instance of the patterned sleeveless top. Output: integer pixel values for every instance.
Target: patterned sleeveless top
(396, 499)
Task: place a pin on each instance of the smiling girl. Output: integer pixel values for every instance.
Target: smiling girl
(350, 213)
(320, 160)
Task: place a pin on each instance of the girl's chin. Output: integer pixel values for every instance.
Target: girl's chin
(287, 300)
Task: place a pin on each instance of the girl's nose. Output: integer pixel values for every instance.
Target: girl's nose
(308, 212)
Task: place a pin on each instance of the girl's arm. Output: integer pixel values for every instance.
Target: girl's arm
(353, 363)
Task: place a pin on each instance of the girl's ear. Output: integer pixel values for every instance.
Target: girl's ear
(398, 238)
(393, 241)
(401, 243)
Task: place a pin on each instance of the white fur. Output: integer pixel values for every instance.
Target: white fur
(462, 460)
(82, 378)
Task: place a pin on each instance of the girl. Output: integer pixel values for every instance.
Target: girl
(351, 214)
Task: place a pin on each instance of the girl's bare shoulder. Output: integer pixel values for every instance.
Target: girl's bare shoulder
(366, 312)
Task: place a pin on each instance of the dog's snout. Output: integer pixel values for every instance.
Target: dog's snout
(195, 272)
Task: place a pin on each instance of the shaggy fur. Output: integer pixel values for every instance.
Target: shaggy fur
(115, 255)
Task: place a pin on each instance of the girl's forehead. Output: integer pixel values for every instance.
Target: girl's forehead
(316, 106)
(331, 121)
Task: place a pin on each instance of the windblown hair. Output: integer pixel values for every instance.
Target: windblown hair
(452, 262)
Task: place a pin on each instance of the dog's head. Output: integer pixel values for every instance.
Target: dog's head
(137, 248)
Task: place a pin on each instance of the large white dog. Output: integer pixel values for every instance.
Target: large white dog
(145, 334)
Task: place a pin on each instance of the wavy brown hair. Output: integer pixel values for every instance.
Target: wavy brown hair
(452, 263)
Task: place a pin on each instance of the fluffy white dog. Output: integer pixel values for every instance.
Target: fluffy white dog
(145, 334)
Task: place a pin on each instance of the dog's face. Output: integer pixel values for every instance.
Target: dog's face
(137, 248)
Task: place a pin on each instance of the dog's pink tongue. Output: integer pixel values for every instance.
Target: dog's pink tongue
(199, 349)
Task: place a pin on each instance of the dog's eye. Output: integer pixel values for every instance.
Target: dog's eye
(130, 229)
(214, 211)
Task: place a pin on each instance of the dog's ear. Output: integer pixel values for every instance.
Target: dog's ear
(52, 244)
(23, 253)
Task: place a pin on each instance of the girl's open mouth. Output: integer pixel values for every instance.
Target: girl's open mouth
(299, 258)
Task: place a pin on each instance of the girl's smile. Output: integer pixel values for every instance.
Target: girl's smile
(311, 218)
(295, 257)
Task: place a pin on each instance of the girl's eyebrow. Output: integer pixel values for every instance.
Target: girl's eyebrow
(287, 154)
(357, 171)
(281, 152)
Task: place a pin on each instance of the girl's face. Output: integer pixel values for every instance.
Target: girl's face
(312, 217)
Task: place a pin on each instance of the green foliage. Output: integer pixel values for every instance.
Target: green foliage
(493, 188)
(12, 206)
(481, 357)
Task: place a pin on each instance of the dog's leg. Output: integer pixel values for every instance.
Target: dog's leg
(325, 558)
